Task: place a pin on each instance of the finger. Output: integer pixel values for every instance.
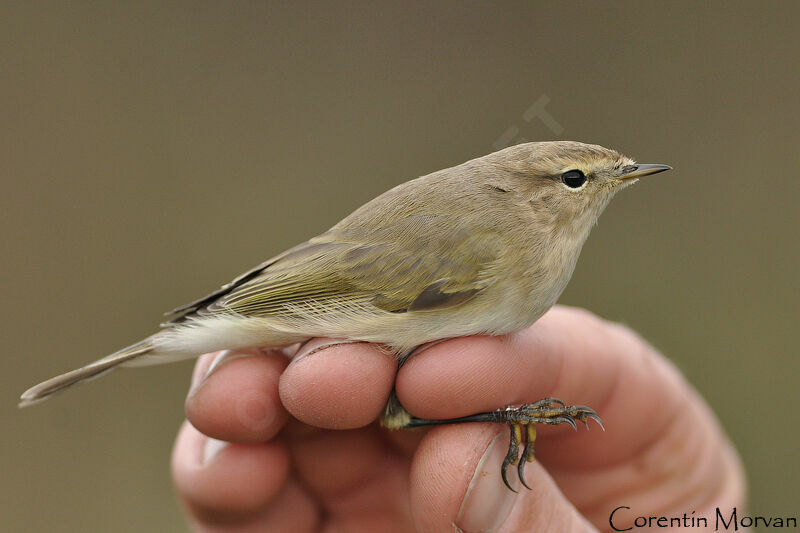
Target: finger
(569, 354)
(292, 510)
(405, 442)
(688, 465)
(455, 481)
(342, 386)
(235, 395)
(353, 473)
(226, 483)
(662, 443)
(335, 462)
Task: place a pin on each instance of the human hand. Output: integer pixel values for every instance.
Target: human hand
(302, 451)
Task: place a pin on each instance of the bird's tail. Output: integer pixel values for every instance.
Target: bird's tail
(44, 390)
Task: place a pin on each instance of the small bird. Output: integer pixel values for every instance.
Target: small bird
(482, 248)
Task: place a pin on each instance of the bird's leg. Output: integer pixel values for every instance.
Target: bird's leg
(394, 414)
(521, 421)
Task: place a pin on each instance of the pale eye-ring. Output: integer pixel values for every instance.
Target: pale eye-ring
(574, 179)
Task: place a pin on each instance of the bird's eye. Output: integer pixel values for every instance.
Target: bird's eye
(574, 179)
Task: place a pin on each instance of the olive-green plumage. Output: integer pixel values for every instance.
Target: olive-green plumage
(485, 247)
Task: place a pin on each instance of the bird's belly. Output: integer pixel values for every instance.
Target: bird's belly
(498, 313)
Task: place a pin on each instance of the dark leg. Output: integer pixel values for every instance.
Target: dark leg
(547, 411)
(394, 414)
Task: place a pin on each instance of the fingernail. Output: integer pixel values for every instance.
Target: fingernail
(422, 347)
(315, 346)
(488, 502)
(211, 448)
(225, 356)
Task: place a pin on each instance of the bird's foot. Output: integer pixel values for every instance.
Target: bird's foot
(522, 421)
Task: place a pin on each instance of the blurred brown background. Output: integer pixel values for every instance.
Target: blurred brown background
(150, 153)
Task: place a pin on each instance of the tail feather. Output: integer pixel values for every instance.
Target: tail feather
(46, 389)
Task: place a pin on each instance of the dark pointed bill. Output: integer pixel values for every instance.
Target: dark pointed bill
(642, 169)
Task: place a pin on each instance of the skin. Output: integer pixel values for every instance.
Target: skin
(303, 452)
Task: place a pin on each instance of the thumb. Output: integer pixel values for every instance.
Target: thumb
(456, 485)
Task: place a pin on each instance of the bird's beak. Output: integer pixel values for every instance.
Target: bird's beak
(641, 169)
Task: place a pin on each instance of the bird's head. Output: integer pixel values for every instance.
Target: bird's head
(568, 183)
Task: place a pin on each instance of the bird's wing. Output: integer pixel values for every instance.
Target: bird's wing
(422, 267)
(186, 310)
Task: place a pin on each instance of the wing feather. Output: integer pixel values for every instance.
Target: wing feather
(428, 270)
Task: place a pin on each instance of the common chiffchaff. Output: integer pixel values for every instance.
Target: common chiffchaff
(485, 247)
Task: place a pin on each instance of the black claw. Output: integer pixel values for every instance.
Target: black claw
(565, 419)
(582, 410)
(511, 456)
(521, 468)
(503, 473)
(594, 417)
(527, 454)
(545, 402)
